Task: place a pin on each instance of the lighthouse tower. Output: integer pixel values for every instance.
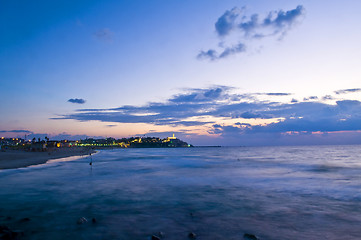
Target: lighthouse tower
(172, 137)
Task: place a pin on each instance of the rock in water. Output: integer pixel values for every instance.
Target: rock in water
(82, 220)
(8, 234)
(248, 236)
(192, 235)
(155, 237)
(161, 234)
(24, 220)
(16, 234)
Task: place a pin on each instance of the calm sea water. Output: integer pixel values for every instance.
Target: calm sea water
(217, 193)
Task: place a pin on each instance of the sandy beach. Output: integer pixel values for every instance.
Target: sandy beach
(17, 158)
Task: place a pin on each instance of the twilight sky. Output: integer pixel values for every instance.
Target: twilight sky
(226, 72)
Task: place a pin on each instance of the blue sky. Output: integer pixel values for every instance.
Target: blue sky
(213, 72)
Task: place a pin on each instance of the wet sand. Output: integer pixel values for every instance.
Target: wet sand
(16, 158)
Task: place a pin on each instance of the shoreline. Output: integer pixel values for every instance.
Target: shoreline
(12, 159)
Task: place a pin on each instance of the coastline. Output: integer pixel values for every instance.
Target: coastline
(12, 159)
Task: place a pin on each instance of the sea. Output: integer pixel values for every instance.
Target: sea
(269, 193)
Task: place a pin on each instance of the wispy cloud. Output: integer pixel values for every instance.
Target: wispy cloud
(104, 34)
(77, 100)
(213, 55)
(350, 90)
(310, 98)
(277, 94)
(61, 136)
(15, 131)
(67, 136)
(210, 54)
(235, 22)
(328, 97)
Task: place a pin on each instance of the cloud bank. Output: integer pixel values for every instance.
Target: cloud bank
(207, 108)
(246, 28)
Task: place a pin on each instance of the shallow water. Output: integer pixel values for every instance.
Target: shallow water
(217, 193)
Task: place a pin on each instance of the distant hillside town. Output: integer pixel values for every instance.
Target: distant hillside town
(133, 142)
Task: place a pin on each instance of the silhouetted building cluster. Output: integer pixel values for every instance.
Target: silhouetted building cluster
(10, 142)
(133, 142)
